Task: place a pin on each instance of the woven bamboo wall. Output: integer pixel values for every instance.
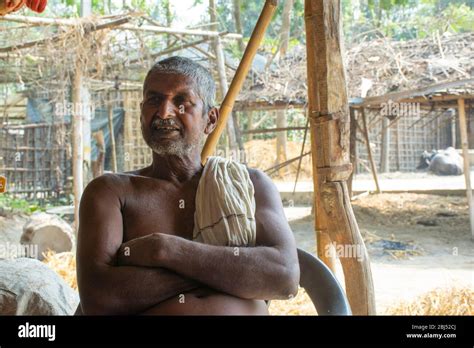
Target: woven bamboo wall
(34, 161)
(410, 135)
(136, 152)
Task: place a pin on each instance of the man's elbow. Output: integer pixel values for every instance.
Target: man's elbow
(289, 280)
(93, 306)
(97, 302)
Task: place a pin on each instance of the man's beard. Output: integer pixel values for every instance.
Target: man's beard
(176, 147)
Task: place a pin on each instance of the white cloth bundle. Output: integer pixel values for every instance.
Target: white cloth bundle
(225, 205)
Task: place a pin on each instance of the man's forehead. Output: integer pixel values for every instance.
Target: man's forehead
(159, 82)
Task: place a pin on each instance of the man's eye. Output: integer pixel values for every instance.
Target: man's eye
(154, 101)
(183, 101)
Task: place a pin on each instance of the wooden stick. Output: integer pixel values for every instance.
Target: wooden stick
(131, 27)
(369, 151)
(352, 148)
(56, 38)
(275, 168)
(272, 130)
(301, 154)
(239, 78)
(467, 167)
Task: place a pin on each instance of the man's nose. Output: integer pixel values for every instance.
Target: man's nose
(166, 110)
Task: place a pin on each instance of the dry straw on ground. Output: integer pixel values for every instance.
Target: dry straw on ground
(441, 301)
(64, 264)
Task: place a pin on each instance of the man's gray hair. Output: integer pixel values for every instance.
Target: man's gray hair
(205, 86)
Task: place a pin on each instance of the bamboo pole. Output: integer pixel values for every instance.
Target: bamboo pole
(329, 128)
(239, 78)
(373, 168)
(112, 137)
(467, 167)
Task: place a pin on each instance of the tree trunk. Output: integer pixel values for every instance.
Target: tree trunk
(285, 27)
(169, 20)
(281, 121)
(223, 85)
(238, 23)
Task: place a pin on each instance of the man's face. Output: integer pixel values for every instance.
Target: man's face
(172, 115)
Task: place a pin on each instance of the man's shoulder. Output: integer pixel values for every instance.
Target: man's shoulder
(259, 178)
(106, 185)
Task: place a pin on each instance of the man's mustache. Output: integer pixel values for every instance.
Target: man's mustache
(160, 123)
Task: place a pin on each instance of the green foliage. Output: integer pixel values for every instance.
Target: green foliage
(11, 204)
(17, 205)
(405, 19)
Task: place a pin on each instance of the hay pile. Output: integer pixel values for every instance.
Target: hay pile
(451, 301)
(261, 154)
(300, 305)
(64, 264)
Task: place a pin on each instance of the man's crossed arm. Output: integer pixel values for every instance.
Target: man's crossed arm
(158, 266)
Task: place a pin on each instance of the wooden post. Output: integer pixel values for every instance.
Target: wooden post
(112, 136)
(77, 145)
(467, 166)
(373, 168)
(329, 120)
(453, 131)
(239, 78)
(385, 153)
(397, 141)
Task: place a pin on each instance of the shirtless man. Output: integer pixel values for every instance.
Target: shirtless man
(135, 253)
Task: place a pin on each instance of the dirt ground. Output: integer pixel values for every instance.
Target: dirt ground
(432, 232)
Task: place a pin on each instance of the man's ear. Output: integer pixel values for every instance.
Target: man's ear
(141, 110)
(212, 117)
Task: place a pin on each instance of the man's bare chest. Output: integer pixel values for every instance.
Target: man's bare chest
(153, 208)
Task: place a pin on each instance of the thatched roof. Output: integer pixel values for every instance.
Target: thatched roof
(382, 66)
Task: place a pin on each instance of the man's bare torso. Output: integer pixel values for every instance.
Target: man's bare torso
(151, 205)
